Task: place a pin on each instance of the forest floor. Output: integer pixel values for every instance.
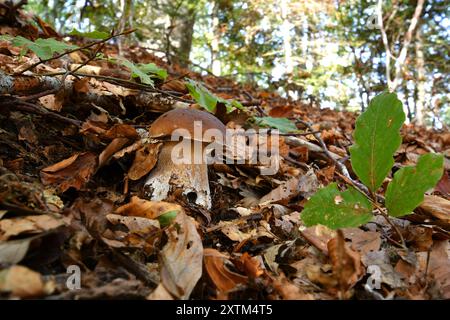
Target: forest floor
(72, 166)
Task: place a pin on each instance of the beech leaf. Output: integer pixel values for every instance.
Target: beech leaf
(283, 124)
(43, 48)
(335, 209)
(377, 137)
(406, 190)
(209, 100)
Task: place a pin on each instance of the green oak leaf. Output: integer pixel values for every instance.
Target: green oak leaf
(335, 209)
(377, 137)
(100, 35)
(166, 218)
(283, 124)
(405, 192)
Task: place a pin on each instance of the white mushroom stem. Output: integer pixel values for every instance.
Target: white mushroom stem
(168, 176)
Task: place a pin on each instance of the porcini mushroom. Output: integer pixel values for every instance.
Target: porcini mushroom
(198, 128)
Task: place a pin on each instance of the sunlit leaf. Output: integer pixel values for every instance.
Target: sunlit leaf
(153, 69)
(283, 124)
(335, 209)
(406, 190)
(207, 99)
(377, 137)
(43, 48)
(202, 95)
(138, 73)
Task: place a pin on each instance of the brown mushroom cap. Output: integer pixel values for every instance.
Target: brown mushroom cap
(184, 119)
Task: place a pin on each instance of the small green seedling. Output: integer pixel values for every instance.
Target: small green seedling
(377, 137)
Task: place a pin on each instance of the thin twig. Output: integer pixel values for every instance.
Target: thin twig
(121, 82)
(37, 95)
(34, 108)
(93, 56)
(372, 198)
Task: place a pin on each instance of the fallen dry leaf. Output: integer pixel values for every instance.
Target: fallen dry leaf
(346, 263)
(221, 276)
(12, 252)
(27, 225)
(21, 282)
(439, 267)
(122, 131)
(72, 172)
(81, 85)
(182, 257)
(148, 209)
(114, 146)
(251, 265)
(436, 207)
(318, 236)
(362, 241)
(144, 161)
(283, 192)
(53, 101)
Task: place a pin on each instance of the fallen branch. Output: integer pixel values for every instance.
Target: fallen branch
(36, 86)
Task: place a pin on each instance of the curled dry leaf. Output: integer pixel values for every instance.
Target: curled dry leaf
(421, 238)
(138, 207)
(114, 146)
(439, 267)
(82, 85)
(144, 161)
(251, 266)
(283, 192)
(27, 225)
(12, 252)
(72, 172)
(221, 276)
(181, 258)
(53, 102)
(318, 236)
(231, 230)
(437, 207)
(21, 282)
(346, 263)
(121, 130)
(142, 233)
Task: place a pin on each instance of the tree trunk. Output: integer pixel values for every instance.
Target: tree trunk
(182, 30)
(126, 19)
(420, 65)
(394, 82)
(215, 62)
